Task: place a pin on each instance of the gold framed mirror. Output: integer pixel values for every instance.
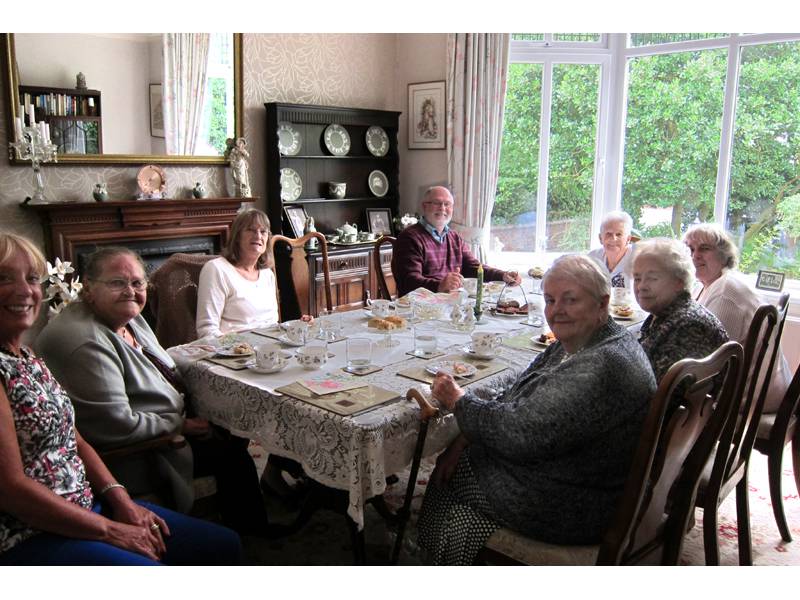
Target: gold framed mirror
(128, 105)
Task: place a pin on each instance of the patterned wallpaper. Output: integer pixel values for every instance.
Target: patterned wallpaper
(355, 70)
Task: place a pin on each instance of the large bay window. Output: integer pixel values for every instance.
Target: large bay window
(673, 128)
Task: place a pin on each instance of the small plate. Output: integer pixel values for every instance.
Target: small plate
(291, 185)
(386, 331)
(494, 313)
(377, 141)
(536, 343)
(289, 342)
(469, 351)
(378, 183)
(289, 139)
(337, 140)
(449, 366)
(229, 353)
(620, 318)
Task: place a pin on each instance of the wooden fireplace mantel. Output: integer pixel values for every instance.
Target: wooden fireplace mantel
(69, 225)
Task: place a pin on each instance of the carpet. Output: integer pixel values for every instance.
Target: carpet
(325, 540)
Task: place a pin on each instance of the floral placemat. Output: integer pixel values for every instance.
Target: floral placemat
(330, 383)
(523, 341)
(237, 364)
(346, 403)
(485, 368)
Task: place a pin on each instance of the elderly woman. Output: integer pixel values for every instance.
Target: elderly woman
(126, 389)
(59, 504)
(729, 296)
(615, 253)
(237, 290)
(678, 327)
(548, 457)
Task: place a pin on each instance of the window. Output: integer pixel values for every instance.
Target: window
(218, 118)
(703, 127)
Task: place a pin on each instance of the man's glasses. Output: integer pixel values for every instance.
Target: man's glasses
(118, 285)
(440, 204)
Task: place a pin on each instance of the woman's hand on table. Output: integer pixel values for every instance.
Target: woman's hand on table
(446, 390)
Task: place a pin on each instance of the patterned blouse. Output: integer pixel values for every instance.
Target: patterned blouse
(684, 330)
(44, 421)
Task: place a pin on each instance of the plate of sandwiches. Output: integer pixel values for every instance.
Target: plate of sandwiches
(622, 312)
(509, 308)
(392, 323)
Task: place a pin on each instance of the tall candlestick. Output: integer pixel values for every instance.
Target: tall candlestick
(479, 293)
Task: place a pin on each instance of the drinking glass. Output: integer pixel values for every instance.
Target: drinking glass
(330, 325)
(424, 338)
(359, 354)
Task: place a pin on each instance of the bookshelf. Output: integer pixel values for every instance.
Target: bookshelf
(74, 116)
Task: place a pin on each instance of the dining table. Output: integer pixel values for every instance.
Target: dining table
(353, 453)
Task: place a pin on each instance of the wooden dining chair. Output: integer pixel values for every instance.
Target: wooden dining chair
(293, 273)
(727, 467)
(172, 298)
(650, 522)
(383, 285)
(778, 429)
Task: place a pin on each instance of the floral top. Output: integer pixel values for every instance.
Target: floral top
(44, 421)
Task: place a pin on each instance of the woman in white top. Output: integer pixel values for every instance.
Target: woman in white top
(615, 254)
(726, 294)
(237, 290)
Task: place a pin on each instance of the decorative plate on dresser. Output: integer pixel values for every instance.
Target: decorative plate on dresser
(378, 183)
(377, 141)
(289, 139)
(291, 185)
(151, 180)
(337, 140)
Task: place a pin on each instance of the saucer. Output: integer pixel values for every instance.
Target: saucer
(265, 370)
(289, 342)
(468, 350)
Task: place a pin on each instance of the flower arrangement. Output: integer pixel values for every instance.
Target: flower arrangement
(59, 291)
(405, 221)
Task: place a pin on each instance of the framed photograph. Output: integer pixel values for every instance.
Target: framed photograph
(296, 215)
(379, 221)
(770, 280)
(156, 111)
(427, 115)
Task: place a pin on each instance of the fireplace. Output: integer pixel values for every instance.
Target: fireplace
(155, 229)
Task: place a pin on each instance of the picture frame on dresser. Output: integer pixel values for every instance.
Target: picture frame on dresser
(427, 116)
(296, 216)
(156, 111)
(770, 280)
(379, 221)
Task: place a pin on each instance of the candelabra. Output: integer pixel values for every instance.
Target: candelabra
(34, 145)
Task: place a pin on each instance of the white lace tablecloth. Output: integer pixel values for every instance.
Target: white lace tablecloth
(353, 453)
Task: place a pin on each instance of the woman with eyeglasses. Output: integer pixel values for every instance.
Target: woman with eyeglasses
(126, 390)
(59, 503)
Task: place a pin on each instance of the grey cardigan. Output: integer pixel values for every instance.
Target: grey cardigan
(120, 397)
(553, 452)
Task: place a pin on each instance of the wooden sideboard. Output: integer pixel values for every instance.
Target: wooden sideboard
(155, 228)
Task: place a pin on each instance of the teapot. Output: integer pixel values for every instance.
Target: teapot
(347, 233)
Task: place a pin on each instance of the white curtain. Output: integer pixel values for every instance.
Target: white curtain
(184, 89)
(477, 66)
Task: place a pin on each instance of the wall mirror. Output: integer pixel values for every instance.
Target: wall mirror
(121, 110)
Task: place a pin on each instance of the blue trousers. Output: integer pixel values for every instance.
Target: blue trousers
(193, 542)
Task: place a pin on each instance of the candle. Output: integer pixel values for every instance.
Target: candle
(479, 292)
(18, 128)
(31, 116)
(47, 132)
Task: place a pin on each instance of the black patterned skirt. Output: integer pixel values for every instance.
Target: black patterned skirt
(455, 519)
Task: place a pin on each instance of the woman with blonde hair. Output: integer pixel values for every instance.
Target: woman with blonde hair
(726, 294)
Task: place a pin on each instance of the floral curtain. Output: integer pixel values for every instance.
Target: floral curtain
(185, 65)
(477, 65)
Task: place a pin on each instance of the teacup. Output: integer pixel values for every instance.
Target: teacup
(380, 308)
(471, 285)
(337, 189)
(312, 357)
(348, 238)
(269, 356)
(365, 236)
(485, 343)
(297, 331)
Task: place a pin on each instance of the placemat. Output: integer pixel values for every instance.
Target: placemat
(486, 368)
(345, 403)
(270, 332)
(329, 383)
(522, 341)
(362, 372)
(434, 354)
(237, 364)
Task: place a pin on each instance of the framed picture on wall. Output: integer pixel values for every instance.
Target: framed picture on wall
(296, 215)
(379, 221)
(156, 111)
(427, 115)
(770, 280)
